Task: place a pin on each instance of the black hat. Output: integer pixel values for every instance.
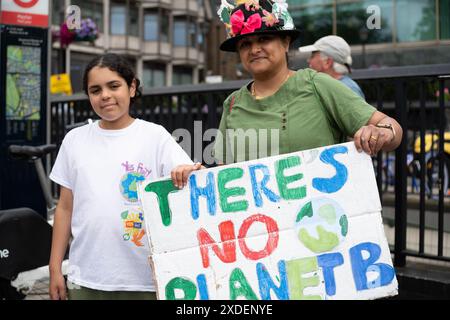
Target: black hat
(250, 17)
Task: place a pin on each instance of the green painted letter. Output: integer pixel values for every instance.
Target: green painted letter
(283, 181)
(162, 190)
(239, 286)
(186, 285)
(223, 178)
(295, 270)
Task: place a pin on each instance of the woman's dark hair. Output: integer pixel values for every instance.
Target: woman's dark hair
(115, 63)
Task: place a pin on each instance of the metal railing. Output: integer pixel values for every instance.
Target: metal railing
(415, 96)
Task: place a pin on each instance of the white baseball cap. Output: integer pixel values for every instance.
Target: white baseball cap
(333, 46)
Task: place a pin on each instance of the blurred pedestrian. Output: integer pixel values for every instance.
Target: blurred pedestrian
(332, 55)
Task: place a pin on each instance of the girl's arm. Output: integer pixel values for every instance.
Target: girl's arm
(60, 241)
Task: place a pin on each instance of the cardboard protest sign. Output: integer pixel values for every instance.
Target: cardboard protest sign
(304, 225)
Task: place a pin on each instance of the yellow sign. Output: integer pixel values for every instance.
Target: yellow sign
(60, 83)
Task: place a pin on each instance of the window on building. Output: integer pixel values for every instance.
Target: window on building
(444, 19)
(201, 36)
(156, 25)
(154, 75)
(182, 75)
(180, 32)
(352, 22)
(118, 19)
(416, 20)
(91, 9)
(151, 26)
(58, 12)
(192, 34)
(316, 22)
(185, 32)
(78, 62)
(133, 16)
(124, 21)
(164, 25)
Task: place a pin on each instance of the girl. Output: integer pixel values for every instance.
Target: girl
(97, 168)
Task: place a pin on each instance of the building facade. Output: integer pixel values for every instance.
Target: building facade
(174, 42)
(165, 40)
(381, 33)
(221, 63)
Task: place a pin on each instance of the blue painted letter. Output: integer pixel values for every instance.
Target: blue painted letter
(327, 262)
(207, 191)
(333, 184)
(266, 282)
(361, 266)
(202, 287)
(258, 187)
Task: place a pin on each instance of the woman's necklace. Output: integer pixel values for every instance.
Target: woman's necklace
(253, 91)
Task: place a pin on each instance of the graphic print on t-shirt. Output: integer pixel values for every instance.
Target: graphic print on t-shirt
(128, 187)
(133, 223)
(133, 218)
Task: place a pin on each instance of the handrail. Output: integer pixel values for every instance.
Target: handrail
(360, 74)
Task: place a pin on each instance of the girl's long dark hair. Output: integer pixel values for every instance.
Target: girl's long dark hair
(115, 63)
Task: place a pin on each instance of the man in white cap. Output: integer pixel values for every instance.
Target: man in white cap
(332, 55)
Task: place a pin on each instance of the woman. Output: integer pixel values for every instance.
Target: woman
(283, 111)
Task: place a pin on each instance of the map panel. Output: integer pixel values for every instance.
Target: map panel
(23, 83)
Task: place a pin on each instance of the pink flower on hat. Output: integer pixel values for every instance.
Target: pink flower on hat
(252, 5)
(269, 18)
(240, 26)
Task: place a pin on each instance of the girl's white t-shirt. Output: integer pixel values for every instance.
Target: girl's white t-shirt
(109, 250)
